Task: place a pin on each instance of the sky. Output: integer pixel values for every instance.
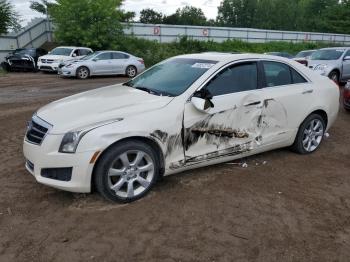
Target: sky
(209, 7)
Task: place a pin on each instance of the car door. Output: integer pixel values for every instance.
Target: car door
(287, 96)
(119, 62)
(231, 126)
(102, 63)
(346, 66)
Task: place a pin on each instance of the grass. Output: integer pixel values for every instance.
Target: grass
(2, 72)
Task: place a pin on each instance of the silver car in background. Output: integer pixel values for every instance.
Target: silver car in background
(332, 62)
(103, 63)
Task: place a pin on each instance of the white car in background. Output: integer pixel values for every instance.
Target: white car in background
(51, 61)
(103, 63)
(186, 112)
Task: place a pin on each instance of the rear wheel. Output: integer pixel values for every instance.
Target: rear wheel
(131, 71)
(83, 72)
(310, 135)
(126, 172)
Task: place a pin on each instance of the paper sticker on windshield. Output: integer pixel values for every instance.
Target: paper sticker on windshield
(202, 65)
(340, 50)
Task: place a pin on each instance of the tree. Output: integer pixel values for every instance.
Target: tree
(149, 16)
(42, 6)
(188, 15)
(91, 23)
(8, 18)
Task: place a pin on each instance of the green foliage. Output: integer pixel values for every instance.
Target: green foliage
(8, 18)
(188, 15)
(149, 16)
(298, 15)
(153, 52)
(88, 22)
(42, 6)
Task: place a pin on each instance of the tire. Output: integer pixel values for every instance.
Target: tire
(308, 139)
(118, 176)
(334, 75)
(83, 72)
(131, 71)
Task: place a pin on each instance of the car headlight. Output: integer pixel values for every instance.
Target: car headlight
(39, 60)
(321, 67)
(71, 139)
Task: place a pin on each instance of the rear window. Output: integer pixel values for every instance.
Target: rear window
(280, 74)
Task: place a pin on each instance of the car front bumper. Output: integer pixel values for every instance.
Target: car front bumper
(46, 156)
(68, 72)
(49, 67)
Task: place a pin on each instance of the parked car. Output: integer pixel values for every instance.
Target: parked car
(346, 96)
(51, 61)
(303, 56)
(23, 59)
(332, 62)
(103, 63)
(281, 54)
(186, 112)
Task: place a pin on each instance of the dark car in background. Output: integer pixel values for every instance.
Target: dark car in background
(281, 54)
(303, 56)
(23, 59)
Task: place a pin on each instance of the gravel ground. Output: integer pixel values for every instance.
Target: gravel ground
(289, 208)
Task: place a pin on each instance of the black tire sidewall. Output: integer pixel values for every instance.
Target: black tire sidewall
(298, 143)
(79, 68)
(336, 73)
(103, 165)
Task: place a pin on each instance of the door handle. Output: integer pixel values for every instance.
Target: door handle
(308, 92)
(253, 103)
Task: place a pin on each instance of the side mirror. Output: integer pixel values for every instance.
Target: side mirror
(74, 55)
(202, 100)
(346, 58)
(95, 59)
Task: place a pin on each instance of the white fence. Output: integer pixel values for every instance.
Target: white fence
(169, 33)
(39, 31)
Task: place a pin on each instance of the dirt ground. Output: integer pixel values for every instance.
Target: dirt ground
(291, 208)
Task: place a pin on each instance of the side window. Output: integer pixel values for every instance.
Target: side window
(237, 78)
(297, 78)
(117, 55)
(104, 56)
(76, 52)
(347, 53)
(277, 74)
(84, 52)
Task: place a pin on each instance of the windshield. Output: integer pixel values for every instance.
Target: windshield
(61, 51)
(327, 54)
(90, 56)
(303, 54)
(173, 76)
(24, 52)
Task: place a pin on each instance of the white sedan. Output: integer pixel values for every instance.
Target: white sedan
(186, 112)
(103, 63)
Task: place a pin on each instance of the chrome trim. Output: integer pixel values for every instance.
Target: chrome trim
(39, 121)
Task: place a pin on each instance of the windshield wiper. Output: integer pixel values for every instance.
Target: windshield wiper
(128, 84)
(153, 91)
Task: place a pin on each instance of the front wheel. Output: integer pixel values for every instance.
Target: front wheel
(334, 75)
(126, 172)
(83, 72)
(131, 71)
(310, 135)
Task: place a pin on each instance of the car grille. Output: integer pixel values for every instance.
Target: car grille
(37, 130)
(47, 61)
(30, 165)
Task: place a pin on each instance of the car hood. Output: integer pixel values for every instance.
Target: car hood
(56, 57)
(98, 105)
(19, 57)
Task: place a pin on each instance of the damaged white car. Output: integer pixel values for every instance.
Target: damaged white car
(186, 112)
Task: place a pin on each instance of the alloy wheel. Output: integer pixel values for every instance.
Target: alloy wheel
(131, 174)
(131, 71)
(83, 73)
(313, 135)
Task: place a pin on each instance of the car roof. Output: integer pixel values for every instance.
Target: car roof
(230, 57)
(334, 48)
(73, 47)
